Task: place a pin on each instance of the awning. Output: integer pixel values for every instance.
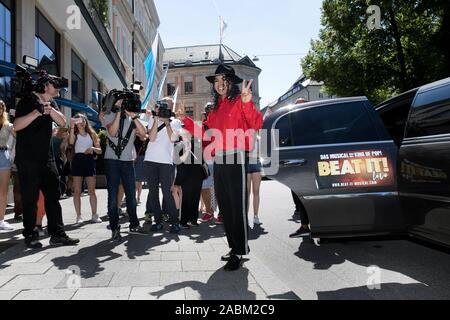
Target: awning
(91, 114)
(7, 69)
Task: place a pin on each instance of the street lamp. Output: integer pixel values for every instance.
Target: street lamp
(256, 57)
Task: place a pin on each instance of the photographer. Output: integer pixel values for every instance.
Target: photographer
(159, 165)
(35, 115)
(122, 126)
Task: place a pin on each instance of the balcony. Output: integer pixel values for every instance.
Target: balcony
(97, 25)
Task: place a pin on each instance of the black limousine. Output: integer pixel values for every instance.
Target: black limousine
(362, 170)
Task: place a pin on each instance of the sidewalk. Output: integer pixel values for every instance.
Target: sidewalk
(144, 267)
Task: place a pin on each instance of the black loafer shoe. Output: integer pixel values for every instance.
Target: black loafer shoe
(227, 257)
(233, 264)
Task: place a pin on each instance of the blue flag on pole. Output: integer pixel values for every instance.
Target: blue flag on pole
(150, 70)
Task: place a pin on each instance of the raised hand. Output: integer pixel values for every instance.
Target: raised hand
(180, 112)
(247, 94)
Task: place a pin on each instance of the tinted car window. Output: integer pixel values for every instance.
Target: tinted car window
(284, 127)
(431, 113)
(345, 123)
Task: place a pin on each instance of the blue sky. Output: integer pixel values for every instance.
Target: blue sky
(254, 27)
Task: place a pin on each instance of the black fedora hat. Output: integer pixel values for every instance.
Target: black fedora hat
(227, 71)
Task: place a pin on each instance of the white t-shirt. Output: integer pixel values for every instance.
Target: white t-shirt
(161, 151)
(83, 143)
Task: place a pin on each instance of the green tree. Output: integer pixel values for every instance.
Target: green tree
(410, 49)
(102, 8)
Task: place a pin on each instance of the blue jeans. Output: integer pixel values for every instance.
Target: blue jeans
(116, 172)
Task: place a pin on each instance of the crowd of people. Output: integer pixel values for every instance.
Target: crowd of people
(197, 166)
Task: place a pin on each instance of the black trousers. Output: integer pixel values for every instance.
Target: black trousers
(191, 186)
(230, 183)
(159, 173)
(34, 177)
(301, 209)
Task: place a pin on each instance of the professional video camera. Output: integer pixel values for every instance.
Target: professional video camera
(164, 111)
(131, 100)
(28, 79)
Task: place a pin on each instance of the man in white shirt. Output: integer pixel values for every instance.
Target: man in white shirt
(160, 169)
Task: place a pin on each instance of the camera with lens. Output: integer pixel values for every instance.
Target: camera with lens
(28, 79)
(131, 100)
(164, 111)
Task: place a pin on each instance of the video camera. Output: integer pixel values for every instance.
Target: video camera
(28, 79)
(131, 100)
(164, 111)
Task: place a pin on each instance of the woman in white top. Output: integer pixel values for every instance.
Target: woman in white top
(6, 133)
(86, 145)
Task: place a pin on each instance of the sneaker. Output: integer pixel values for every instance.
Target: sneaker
(207, 217)
(302, 232)
(62, 241)
(5, 226)
(116, 236)
(257, 221)
(157, 227)
(138, 230)
(219, 220)
(148, 218)
(175, 229)
(96, 219)
(227, 256)
(32, 242)
(234, 263)
(79, 221)
(40, 231)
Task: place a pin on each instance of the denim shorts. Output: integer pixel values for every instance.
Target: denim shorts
(209, 183)
(83, 165)
(5, 160)
(254, 168)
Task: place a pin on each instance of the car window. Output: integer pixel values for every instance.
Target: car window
(285, 132)
(430, 114)
(395, 117)
(334, 124)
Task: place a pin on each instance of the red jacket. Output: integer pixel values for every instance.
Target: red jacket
(241, 120)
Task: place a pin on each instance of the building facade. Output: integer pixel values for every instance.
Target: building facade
(189, 66)
(88, 42)
(303, 88)
(133, 26)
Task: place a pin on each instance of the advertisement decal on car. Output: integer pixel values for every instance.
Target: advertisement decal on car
(356, 169)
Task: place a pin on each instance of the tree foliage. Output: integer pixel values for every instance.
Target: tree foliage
(102, 8)
(412, 47)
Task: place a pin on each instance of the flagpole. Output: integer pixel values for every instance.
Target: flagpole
(221, 38)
